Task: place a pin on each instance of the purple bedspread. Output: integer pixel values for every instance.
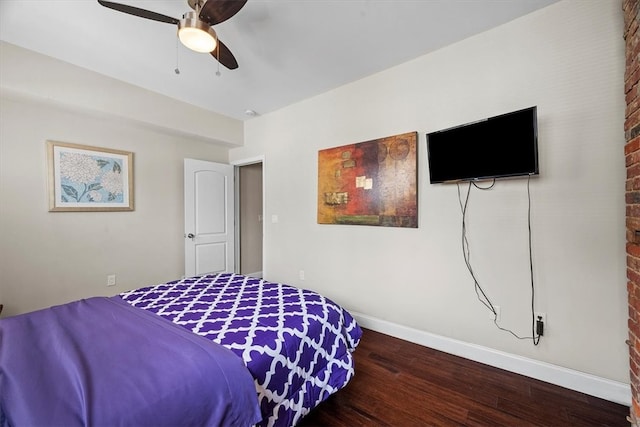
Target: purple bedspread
(101, 362)
(296, 343)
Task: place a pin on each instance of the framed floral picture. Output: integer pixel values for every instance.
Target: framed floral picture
(84, 178)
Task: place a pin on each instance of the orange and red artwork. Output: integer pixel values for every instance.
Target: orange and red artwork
(370, 183)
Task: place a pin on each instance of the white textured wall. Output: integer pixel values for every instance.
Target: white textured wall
(568, 59)
(50, 258)
(43, 78)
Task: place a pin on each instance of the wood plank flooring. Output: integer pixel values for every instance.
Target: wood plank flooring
(401, 384)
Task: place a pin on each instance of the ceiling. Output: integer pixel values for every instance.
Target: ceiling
(287, 50)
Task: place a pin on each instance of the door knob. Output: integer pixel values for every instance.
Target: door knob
(191, 236)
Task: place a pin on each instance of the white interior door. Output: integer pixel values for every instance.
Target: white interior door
(208, 217)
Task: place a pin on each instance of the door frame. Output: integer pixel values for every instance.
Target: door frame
(237, 164)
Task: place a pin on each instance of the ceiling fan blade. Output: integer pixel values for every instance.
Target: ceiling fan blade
(142, 13)
(216, 11)
(224, 56)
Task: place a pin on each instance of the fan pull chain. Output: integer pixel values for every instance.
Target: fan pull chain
(218, 53)
(177, 69)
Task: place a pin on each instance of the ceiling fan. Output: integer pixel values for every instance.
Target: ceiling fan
(194, 29)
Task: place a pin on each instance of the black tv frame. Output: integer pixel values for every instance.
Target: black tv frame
(482, 149)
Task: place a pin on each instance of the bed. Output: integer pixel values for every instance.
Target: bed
(220, 350)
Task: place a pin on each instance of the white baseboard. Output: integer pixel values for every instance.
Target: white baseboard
(602, 388)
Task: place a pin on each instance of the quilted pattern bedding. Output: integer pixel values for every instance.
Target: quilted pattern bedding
(296, 343)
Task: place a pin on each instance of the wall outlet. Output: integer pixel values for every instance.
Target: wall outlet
(543, 317)
(111, 280)
(301, 274)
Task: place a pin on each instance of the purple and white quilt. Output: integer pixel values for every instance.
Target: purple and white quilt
(296, 343)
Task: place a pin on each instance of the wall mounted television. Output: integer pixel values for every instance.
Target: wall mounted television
(497, 147)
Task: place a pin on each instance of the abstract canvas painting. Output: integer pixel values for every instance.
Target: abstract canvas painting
(370, 183)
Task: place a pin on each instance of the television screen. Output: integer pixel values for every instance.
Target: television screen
(497, 147)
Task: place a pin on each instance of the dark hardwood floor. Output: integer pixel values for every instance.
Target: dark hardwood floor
(398, 383)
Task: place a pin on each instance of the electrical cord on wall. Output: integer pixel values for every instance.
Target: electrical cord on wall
(480, 293)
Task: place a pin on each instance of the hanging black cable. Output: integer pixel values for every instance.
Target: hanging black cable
(466, 252)
(536, 338)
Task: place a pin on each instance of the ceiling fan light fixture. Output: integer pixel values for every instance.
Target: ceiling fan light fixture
(196, 34)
